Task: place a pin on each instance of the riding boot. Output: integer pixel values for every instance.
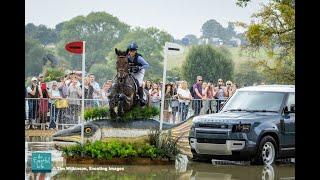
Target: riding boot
(140, 92)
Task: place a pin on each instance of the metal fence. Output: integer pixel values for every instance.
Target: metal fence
(45, 111)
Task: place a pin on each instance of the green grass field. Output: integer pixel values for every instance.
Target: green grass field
(238, 57)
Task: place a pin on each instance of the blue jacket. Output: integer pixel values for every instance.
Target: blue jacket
(139, 61)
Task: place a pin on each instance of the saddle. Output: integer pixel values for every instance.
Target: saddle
(136, 82)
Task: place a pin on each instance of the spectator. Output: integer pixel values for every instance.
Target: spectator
(229, 89)
(197, 88)
(96, 88)
(209, 95)
(105, 92)
(33, 91)
(221, 93)
(88, 92)
(43, 102)
(54, 94)
(205, 102)
(72, 76)
(155, 95)
(26, 103)
(233, 89)
(167, 102)
(184, 98)
(148, 85)
(63, 88)
(174, 103)
(74, 95)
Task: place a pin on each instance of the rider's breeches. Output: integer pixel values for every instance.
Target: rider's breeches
(139, 76)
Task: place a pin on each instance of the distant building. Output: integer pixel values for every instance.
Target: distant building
(235, 41)
(217, 41)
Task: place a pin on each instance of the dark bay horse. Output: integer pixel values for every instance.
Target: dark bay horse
(123, 94)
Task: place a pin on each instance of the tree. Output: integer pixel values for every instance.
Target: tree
(212, 29)
(151, 43)
(209, 62)
(42, 33)
(247, 75)
(100, 30)
(274, 30)
(193, 40)
(34, 52)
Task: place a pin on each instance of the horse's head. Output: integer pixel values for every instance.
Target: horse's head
(122, 63)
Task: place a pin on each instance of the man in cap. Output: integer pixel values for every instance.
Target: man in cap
(136, 59)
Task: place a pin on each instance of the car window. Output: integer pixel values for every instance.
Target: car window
(270, 101)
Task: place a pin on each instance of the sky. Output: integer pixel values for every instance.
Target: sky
(177, 17)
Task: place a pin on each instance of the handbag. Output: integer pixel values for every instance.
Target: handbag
(61, 103)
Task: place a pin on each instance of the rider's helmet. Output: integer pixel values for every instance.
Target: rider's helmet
(133, 46)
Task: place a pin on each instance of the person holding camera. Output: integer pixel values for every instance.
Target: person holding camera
(221, 94)
(33, 91)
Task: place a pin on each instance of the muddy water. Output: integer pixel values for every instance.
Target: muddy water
(195, 170)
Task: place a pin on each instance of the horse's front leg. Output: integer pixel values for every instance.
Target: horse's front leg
(113, 106)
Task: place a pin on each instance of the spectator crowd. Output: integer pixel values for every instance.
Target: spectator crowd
(49, 102)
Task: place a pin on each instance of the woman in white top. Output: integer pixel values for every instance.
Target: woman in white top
(184, 98)
(155, 95)
(54, 94)
(105, 92)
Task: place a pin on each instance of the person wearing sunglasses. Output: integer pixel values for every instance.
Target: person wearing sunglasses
(197, 88)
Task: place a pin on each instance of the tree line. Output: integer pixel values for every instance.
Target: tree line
(104, 32)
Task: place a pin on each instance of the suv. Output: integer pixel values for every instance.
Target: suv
(257, 123)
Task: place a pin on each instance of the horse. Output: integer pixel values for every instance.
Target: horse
(123, 94)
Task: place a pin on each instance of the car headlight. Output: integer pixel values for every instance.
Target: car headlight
(241, 128)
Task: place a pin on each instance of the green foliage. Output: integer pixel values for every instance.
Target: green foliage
(100, 30)
(193, 40)
(275, 32)
(53, 74)
(150, 42)
(96, 113)
(41, 33)
(138, 112)
(209, 62)
(247, 75)
(34, 53)
(166, 144)
(113, 149)
(102, 72)
(213, 29)
(242, 3)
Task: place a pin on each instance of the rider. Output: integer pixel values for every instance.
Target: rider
(136, 59)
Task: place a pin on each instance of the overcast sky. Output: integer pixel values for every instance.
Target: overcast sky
(177, 17)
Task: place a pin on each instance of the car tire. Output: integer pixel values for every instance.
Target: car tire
(267, 151)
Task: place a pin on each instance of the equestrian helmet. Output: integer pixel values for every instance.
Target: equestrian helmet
(133, 46)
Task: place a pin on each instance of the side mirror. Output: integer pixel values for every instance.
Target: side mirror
(293, 108)
(286, 110)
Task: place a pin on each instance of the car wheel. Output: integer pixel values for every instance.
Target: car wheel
(267, 151)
